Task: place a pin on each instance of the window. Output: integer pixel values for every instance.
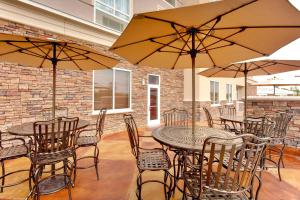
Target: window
(229, 93)
(112, 89)
(113, 14)
(172, 2)
(214, 92)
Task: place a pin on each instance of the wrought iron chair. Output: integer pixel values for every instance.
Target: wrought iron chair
(254, 125)
(10, 149)
(147, 159)
(59, 112)
(213, 122)
(210, 179)
(176, 117)
(90, 138)
(227, 110)
(277, 143)
(53, 144)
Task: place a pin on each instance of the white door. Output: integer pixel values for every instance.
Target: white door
(153, 108)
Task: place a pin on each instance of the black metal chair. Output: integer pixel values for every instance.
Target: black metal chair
(278, 135)
(211, 179)
(59, 112)
(53, 144)
(176, 117)
(10, 149)
(90, 137)
(214, 123)
(148, 159)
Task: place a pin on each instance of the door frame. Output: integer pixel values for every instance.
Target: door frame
(149, 86)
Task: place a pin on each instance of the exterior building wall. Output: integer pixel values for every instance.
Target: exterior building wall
(78, 8)
(25, 91)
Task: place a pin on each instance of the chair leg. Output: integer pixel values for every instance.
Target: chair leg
(258, 188)
(278, 167)
(75, 168)
(3, 175)
(30, 177)
(96, 160)
(139, 185)
(165, 186)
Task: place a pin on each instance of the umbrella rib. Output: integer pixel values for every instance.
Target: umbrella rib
(260, 67)
(91, 52)
(32, 54)
(19, 48)
(201, 41)
(237, 71)
(253, 27)
(164, 20)
(225, 39)
(205, 49)
(90, 59)
(288, 64)
(27, 39)
(61, 49)
(186, 43)
(145, 57)
(212, 60)
(72, 60)
(168, 45)
(41, 65)
(144, 40)
(226, 13)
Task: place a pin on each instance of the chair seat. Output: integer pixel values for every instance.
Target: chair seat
(192, 181)
(13, 152)
(49, 158)
(153, 160)
(87, 140)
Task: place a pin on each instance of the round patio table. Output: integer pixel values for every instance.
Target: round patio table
(26, 129)
(182, 137)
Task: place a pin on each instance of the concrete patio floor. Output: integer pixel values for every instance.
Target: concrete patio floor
(118, 174)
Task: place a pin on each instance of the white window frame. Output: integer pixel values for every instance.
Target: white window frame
(114, 9)
(227, 85)
(171, 4)
(214, 103)
(157, 86)
(113, 110)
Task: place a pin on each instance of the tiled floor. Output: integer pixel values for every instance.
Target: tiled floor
(118, 174)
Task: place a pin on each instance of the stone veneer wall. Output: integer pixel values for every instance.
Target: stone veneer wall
(271, 105)
(25, 91)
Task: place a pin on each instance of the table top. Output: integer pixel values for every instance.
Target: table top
(182, 137)
(26, 129)
(232, 118)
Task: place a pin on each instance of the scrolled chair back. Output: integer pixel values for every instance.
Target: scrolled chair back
(282, 121)
(242, 155)
(133, 133)
(254, 125)
(100, 121)
(54, 135)
(176, 117)
(208, 118)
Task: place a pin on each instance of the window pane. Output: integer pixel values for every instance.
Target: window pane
(103, 89)
(212, 91)
(153, 79)
(123, 6)
(122, 89)
(153, 103)
(216, 92)
(172, 2)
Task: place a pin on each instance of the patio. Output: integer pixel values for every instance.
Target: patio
(118, 169)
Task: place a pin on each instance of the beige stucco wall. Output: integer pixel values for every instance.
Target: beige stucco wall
(203, 86)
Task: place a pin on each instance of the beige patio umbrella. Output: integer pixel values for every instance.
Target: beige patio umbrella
(50, 53)
(254, 68)
(208, 35)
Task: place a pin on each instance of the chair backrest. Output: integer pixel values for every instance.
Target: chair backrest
(230, 110)
(209, 119)
(281, 121)
(254, 125)
(59, 112)
(176, 117)
(100, 121)
(242, 155)
(133, 133)
(54, 135)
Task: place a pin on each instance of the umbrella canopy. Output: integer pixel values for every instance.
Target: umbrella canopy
(255, 68)
(49, 53)
(208, 35)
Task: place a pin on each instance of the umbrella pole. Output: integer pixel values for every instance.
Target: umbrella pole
(193, 53)
(54, 63)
